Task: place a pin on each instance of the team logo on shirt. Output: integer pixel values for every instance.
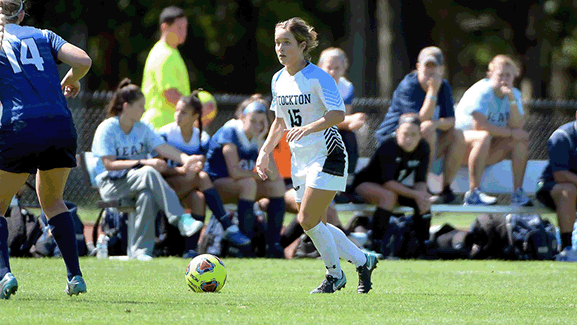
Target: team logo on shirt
(413, 163)
(130, 151)
(301, 99)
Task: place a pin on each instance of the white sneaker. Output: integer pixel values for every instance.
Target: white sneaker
(476, 197)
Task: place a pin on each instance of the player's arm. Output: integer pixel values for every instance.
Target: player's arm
(172, 95)
(232, 161)
(480, 122)
(331, 118)
(80, 63)
(111, 163)
(265, 155)
(516, 118)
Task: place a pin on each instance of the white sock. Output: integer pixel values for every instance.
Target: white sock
(347, 250)
(325, 244)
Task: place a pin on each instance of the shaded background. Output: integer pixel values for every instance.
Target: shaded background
(230, 44)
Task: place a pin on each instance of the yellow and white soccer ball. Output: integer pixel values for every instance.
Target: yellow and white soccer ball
(205, 273)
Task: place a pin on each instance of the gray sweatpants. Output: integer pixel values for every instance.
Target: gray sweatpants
(149, 190)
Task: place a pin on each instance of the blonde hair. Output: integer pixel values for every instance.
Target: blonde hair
(9, 11)
(505, 60)
(302, 31)
(334, 52)
(254, 98)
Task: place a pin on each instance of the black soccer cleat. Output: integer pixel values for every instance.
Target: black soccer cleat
(331, 284)
(365, 272)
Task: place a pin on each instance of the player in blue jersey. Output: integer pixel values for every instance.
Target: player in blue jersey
(37, 134)
(306, 101)
(426, 93)
(557, 187)
(491, 116)
(230, 162)
(123, 145)
(194, 188)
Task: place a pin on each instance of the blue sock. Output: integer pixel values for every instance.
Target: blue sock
(215, 205)
(246, 217)
(275, 212)
(192, 241)
(65, 237)
(4, 263)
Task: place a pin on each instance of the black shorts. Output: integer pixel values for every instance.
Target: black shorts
(27, 155)
(543, 193)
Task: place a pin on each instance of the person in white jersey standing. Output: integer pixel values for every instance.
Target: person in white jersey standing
(306, 101)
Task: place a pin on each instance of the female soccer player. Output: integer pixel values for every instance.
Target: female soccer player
(193, 187)
(231, 160)
(401, 153)
(306, 97)
(37, 134)
(123, 145)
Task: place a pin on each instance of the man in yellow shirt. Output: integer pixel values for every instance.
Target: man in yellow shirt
(165, 77)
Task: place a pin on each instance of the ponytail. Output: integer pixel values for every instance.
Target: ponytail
(193, 102)
(9, 11)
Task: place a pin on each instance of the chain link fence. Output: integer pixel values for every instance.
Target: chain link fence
(89, 109)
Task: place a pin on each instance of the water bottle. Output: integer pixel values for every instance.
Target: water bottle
(102, 247)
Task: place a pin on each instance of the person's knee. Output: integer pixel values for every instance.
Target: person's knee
(388, 200)
(247, 185)
(428, 131)
(307, 220)
(564, 191)
(458, 138)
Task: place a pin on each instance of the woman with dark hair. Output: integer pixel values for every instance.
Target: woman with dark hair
(125, 168)
(193, 186)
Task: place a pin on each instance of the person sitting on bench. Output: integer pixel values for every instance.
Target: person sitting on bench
(491, 115)
(401, 153)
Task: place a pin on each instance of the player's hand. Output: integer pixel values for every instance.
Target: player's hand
(434, 83)
(158, 164)
(423, 200)
(70, 88)
(507, 91)
(297, 133)
(262, 165)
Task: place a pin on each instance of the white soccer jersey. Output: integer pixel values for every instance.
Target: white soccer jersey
(300, 100)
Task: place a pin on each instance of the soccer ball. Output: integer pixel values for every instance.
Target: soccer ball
(209, 108)
(205, 273)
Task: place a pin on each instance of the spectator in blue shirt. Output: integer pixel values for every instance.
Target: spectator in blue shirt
(491, 116)
(557, 187)
(427, 94)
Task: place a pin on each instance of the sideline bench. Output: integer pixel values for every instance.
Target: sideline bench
(497, 179)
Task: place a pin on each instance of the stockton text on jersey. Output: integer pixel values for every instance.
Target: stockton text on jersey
(301, 99)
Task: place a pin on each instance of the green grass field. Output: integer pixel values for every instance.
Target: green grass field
(260, 291)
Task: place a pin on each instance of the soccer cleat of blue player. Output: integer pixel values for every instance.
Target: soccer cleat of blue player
(365, 271)
(331, 284)
(234, 236)
(9, 286)
(75, 286)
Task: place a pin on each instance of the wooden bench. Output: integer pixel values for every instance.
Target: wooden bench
(497, 179)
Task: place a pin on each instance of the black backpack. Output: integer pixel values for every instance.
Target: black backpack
(532, 237)
(23, 231)
(400, 239)
(513, 237)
